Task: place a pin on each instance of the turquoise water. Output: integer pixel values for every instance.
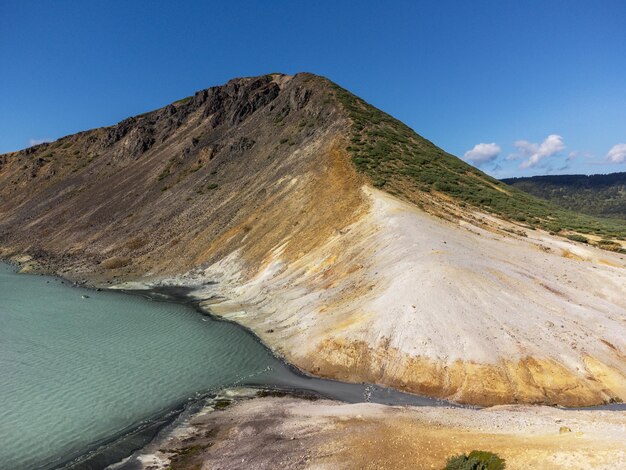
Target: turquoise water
(75, 371)
(78, 374)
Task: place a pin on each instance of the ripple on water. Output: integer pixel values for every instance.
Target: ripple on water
(76, 371)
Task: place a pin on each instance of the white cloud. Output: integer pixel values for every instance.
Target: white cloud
(617, 154)
(32, 142)
(533, 153)
(483, 153)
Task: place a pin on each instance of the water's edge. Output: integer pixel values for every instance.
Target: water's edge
(183, 295)
(116, 448)
(318, 387)
(322, 387)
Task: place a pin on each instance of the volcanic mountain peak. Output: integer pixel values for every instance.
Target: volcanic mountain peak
(314, 214)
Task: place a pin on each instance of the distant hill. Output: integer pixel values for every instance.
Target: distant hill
(597, 195)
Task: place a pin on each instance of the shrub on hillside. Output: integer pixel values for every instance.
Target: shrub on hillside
(476, 460)
(578, 238)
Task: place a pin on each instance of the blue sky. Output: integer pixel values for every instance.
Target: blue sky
(519, 88)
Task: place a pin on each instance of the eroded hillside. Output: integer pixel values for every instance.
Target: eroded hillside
(238, 166)
(352, 246)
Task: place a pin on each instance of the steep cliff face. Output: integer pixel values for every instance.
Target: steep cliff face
(348, 243)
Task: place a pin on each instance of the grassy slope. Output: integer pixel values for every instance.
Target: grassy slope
(400, 161)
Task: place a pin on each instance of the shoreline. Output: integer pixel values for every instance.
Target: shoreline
(183, 299)
(180, 294)
(244, 427)
(150, 431)
(136, 436)
(215, 401)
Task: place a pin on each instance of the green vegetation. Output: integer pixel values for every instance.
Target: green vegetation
(400, 161)
(476, 460)
(611, 245)
(211, 186)
(597, 195)
(222, 403)
(577, 238)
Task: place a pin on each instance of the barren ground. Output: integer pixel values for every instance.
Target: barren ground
(289, 433)
(476, 310)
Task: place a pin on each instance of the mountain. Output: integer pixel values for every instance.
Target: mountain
(597, 195)
(349, 244)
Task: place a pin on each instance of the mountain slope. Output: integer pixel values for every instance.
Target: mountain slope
(405, 164)
(156, 192)
(597, 195)
(352, 246)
